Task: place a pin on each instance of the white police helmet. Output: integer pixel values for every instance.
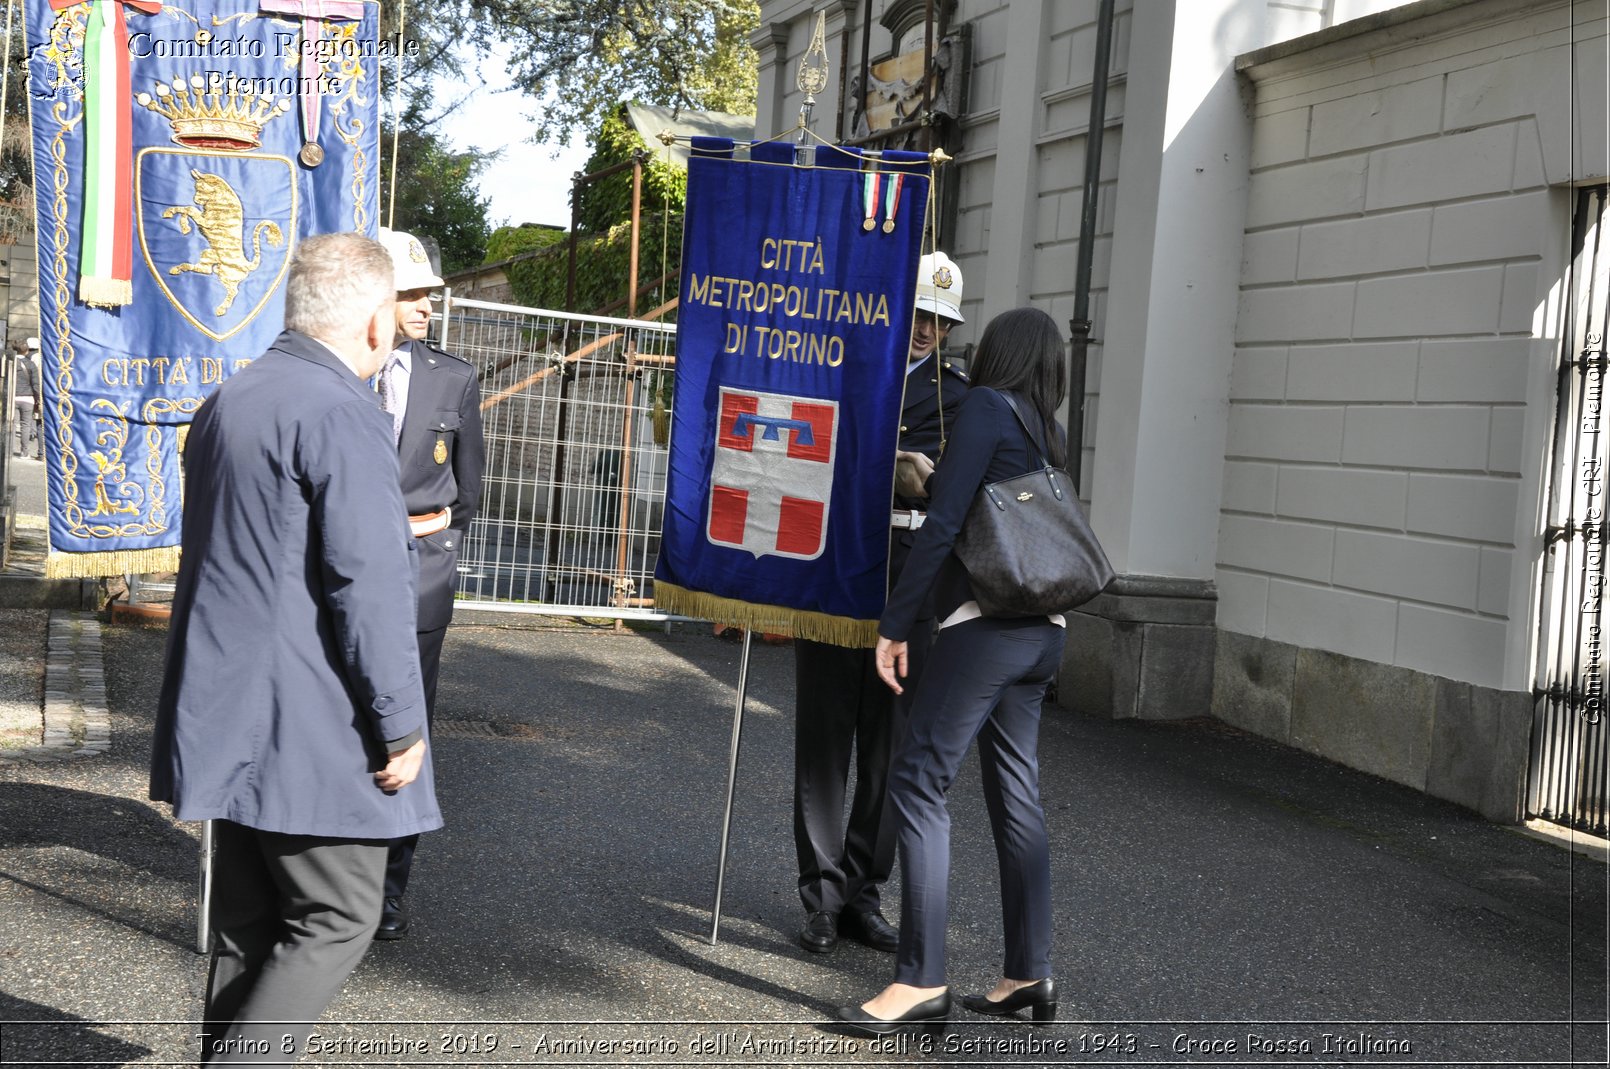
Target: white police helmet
(33, 345)
(409, 261)
(939, 287)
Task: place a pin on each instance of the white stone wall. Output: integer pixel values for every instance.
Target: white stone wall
(1021, 171)
(1294, 18)
(1392, 391)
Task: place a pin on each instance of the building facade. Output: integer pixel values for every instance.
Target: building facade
(1332, 270)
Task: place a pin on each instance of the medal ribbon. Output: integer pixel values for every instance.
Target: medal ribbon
(869, 197)
(106, 244)
(314, 14)
(892, 201)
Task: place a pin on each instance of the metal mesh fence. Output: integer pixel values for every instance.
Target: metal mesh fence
(1569, 780)
(576, 416)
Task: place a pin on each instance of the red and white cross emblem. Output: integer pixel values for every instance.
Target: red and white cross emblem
(772, 479)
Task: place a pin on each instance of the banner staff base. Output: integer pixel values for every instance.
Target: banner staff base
(732, 783)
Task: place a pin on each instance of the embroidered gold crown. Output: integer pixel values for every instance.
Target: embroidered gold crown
(214, 112)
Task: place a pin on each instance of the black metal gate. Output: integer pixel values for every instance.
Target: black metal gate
(1567, 782)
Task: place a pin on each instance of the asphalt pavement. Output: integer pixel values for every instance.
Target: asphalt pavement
(1219, 898)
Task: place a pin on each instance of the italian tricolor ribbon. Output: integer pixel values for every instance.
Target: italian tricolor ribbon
(106, 251)
(869, 199)
(892, 201)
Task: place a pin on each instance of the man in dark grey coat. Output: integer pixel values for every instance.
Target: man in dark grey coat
(292, 712)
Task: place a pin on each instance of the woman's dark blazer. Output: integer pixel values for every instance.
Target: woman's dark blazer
(986, 445)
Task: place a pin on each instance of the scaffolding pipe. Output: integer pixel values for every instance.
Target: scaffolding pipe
(556, 498)
(637, 219)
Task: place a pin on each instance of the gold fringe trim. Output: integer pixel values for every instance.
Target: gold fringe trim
(106, 292)
(800, 623)
(59, 565)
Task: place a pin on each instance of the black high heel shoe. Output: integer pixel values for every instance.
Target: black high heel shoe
(1039, 998)
(924, 1015)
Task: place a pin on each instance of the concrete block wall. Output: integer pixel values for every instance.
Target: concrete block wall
(1391, 397)
(1402, 240)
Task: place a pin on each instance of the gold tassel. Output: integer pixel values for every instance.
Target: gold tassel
(106, 292)
(59, 565)
(800, 623)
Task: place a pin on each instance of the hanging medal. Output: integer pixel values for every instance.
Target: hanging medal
(314, 13)
(892, 201)
(870, 184)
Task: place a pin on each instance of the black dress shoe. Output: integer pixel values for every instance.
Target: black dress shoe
(924, 1015)
(393, 921)
(1040, 998)
(870, 929)
(820, 933)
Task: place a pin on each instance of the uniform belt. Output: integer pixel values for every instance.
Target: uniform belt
(910, 518)
(430, 522)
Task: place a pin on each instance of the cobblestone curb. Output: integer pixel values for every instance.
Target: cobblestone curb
(77, 721)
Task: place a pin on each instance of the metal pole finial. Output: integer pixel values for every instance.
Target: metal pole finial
(811, 79)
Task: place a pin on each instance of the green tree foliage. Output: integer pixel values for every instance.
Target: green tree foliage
(609, 200)
(604, 235)
(16, 152)
(602, 263)
(580, 58)
(436, 193)
(432, 35)
(510, 241)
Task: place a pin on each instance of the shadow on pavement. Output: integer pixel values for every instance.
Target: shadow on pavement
(36, 1034)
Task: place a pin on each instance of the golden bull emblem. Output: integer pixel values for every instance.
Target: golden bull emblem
(219, 218)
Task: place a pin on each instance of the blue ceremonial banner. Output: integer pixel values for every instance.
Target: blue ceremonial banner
(792, 335)
(181, 149)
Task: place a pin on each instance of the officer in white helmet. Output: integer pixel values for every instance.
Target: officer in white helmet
(840, 704)
(434, 399)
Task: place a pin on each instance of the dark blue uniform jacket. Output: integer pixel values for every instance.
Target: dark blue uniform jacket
(987, 444)
(441, 455)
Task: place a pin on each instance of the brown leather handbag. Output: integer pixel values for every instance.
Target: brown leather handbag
(1026, 544)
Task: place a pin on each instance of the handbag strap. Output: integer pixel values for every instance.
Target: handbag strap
(1034, 439)
(1051, 472)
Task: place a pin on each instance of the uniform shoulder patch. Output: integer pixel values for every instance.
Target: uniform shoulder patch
(956, 371)
(444, 352)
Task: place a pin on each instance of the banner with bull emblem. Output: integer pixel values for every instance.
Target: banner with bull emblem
(181, 149)
(792, 333)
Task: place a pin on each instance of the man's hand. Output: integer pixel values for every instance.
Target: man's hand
(911, 471)
(891, 658)
(402, 768)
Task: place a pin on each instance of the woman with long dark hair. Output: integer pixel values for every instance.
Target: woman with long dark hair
(986, 679)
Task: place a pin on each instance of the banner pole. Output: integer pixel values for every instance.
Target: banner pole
(732, 782)
(204, 893)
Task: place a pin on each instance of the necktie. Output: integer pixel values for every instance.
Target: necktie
(389, 399)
